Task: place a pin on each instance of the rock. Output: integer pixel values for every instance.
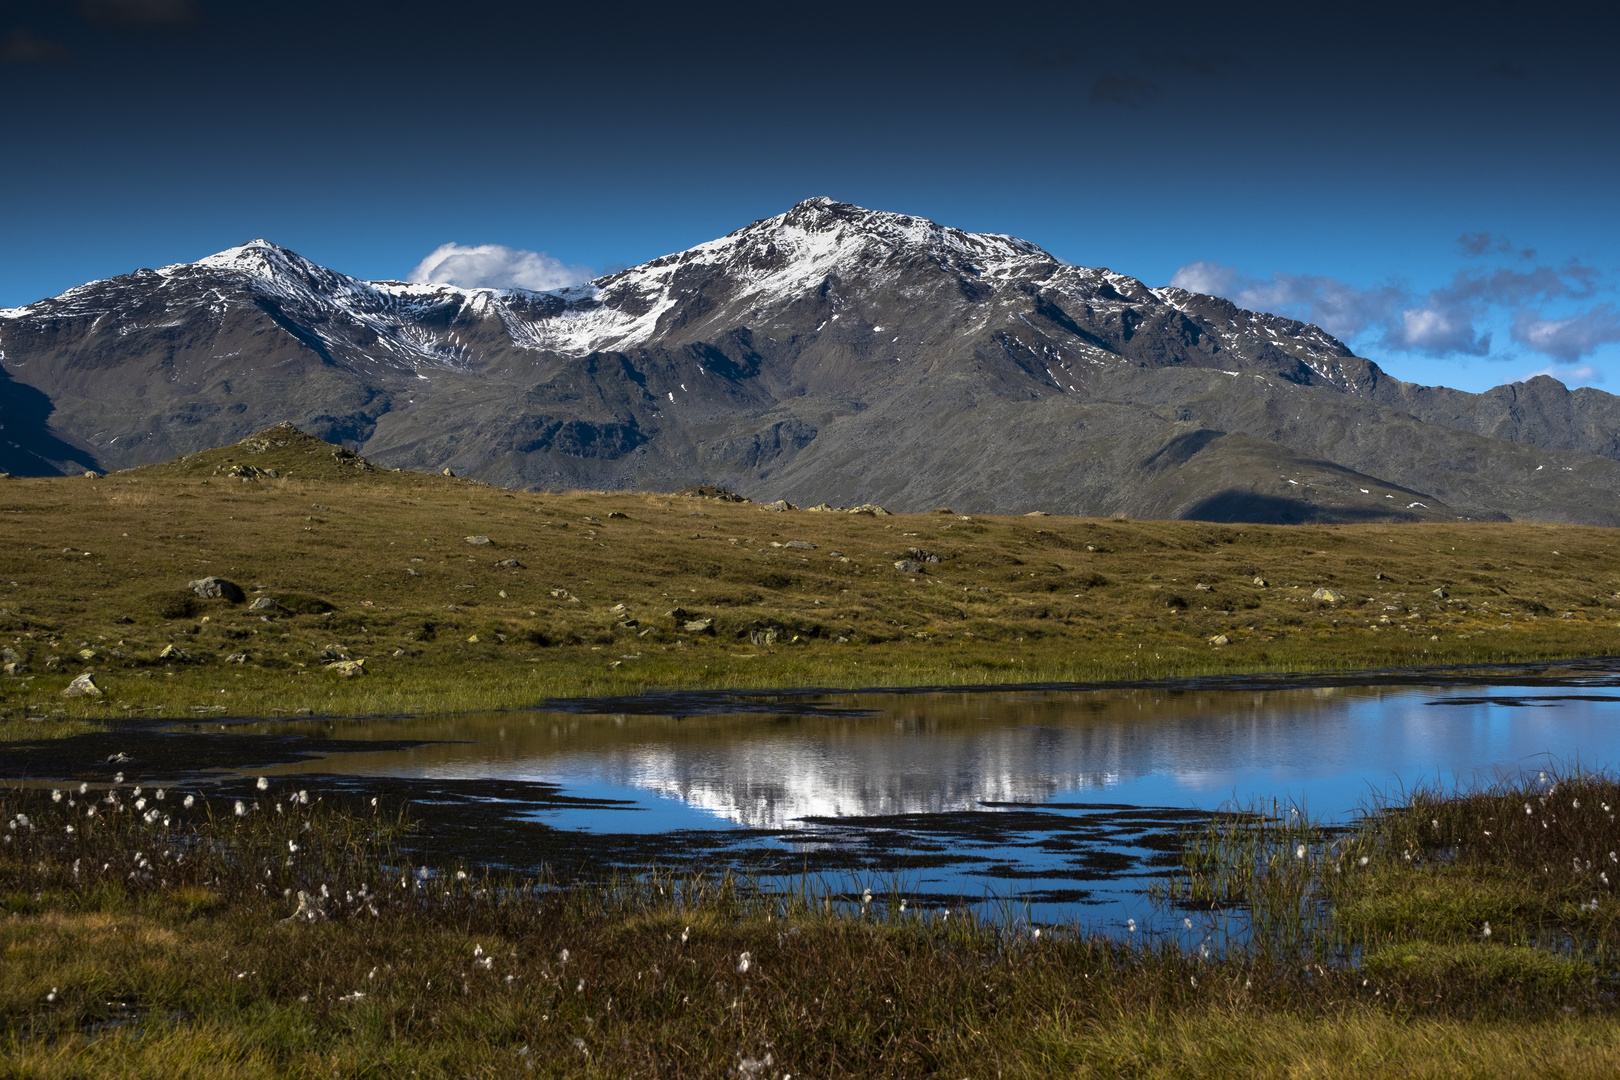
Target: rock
(333, 652)
(780, 504)
(823, 508)
(510, 564)
(251, 472)
(924, 556)
(801, 545)
(347, 668)
(615, 514)
(171, 653)
(699, 626)
(908, 566)
(10, 655)
(1220, 639)
(86, 655)
(872, 509)
(944, 510)
(264, 603)
(770, 635)
(1327, 595)
(14, 667)
(237, 658)
(679, 614)
(1260, 583)
(83, 686)
(450, 474)
(477, 539)
(618, 607)
(53, 662)
(217, 588)
(1037, 513)
(562, 594)
(1440, 592)
(711, 491)
(1201, 587)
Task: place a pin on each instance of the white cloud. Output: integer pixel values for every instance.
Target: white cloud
(496, 266)
(1568, 339)
(1585, 374)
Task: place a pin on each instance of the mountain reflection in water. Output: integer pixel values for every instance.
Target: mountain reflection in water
(944, 753)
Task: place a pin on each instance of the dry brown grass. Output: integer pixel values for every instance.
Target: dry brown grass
(1012, 599)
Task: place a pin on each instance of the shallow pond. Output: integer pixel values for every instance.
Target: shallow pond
(1067, 800)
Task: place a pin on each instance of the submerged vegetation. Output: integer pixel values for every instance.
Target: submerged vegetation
(373, 592)
(276, 932)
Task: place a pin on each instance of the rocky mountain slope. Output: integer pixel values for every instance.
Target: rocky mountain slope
(830, 353)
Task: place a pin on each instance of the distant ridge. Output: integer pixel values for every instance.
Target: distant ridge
(827, 354)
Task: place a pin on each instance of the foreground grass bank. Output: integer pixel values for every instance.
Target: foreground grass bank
(161, 937)
(460, 596)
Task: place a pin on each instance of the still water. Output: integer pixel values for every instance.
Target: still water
(1068, 801)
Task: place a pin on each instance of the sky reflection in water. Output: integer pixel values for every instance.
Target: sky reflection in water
(924, 774)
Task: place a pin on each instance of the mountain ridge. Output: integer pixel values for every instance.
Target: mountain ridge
(829, 353)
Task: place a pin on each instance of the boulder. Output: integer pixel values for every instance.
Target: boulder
(769, 635)
(14, 667)
(510, 564)
(1220, 639)
(699, 626)
(870, 509)
(1259, 582)
(347, 668)
(217, 588)
(264, 603)
(780, 504)
(171, 653)
(923, 556)
(908, 566)
(1327, 596)
(1440, 592)
(83, 686)
(800, 545)
(477, 539)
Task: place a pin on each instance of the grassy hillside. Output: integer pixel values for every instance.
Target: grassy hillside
(457, 595)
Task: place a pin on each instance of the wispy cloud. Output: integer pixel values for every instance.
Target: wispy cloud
(1208, 64)
(1571, 338)
(22, 47)
(1441, 322)
(1127, 90)
(496, 266)
(139, 12)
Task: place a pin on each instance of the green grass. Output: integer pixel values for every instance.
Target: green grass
(375, 566)
(157, 939)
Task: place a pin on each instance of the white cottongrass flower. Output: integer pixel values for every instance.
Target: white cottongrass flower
(1299, 852)
(189, 802)
(1487, 931)
(1363, 860)
(292, 848)
(158, 794)
(580, 988)
(1130, 925)
(241, 808)
(1576, 804)
(83, 788)
(1527, 809)
(140, 804)
(56, 796)
(52, 995)
(563, 955)
(1186, 923)
(744, 962)
(263, 784)
(686, 934)
(866, 897)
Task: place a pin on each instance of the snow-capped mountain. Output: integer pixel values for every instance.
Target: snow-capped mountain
(827, 353)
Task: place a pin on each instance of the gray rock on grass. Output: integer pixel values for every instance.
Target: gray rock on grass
(217, 588)
(83, 686)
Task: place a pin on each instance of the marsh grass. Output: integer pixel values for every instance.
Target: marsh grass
(1488, 900)
(161, 938)
(567, 599)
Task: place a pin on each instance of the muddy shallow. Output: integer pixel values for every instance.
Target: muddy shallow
(1066, 798)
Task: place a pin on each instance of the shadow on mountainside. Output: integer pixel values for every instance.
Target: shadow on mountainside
(1236, 506)
(27, 447)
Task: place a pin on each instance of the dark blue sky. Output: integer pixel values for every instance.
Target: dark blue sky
(1439, 192)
